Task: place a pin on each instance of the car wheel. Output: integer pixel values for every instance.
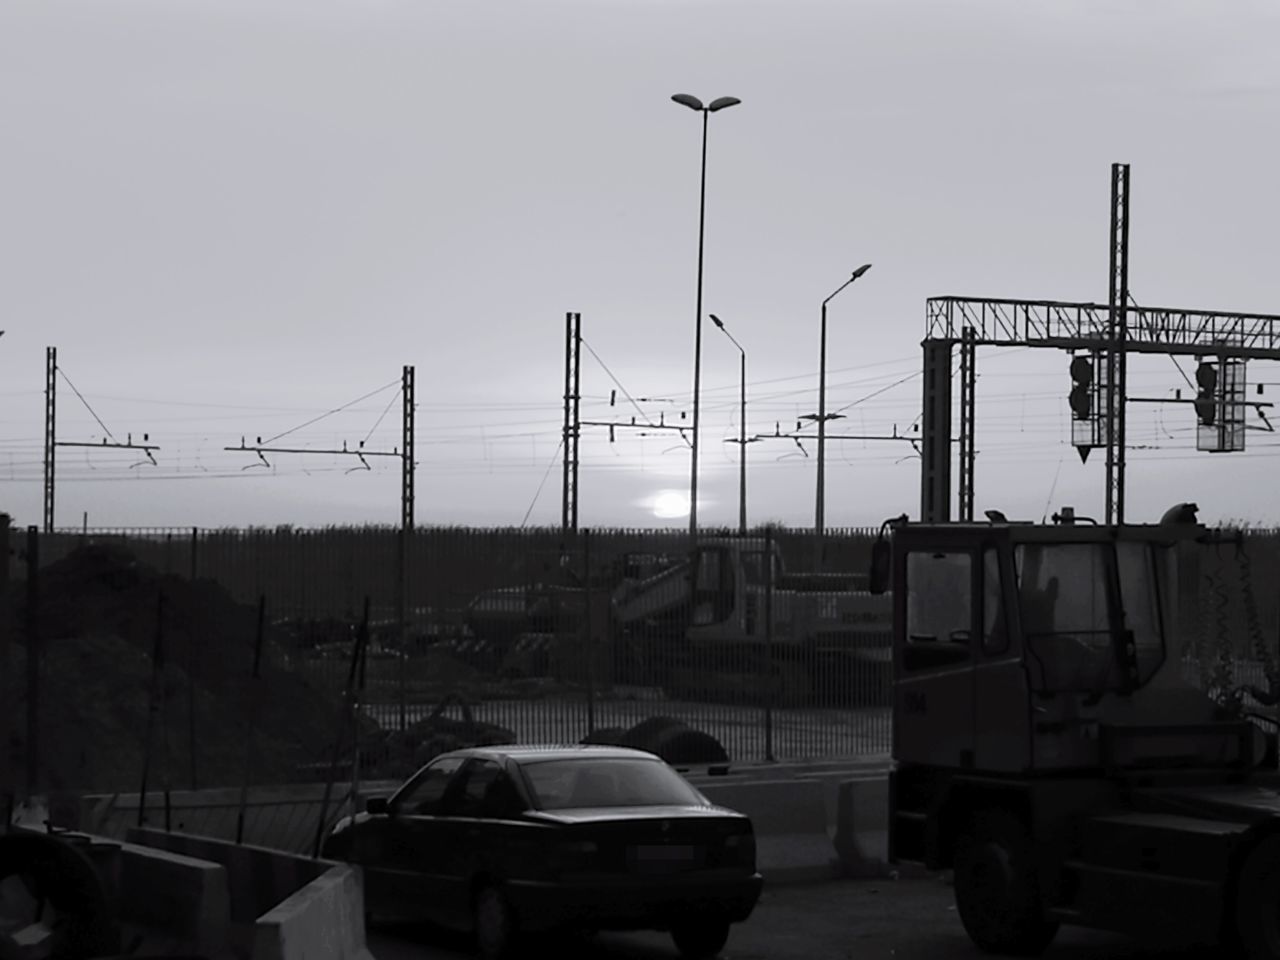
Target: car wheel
(1257, 910)
(700, 938)
(997, 892)
(494, 923)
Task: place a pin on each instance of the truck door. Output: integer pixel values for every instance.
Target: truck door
(934, 657)
(1002, 741)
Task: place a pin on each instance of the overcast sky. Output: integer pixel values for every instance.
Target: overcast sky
(231, 217)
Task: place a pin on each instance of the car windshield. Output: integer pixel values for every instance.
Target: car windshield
(613, 782)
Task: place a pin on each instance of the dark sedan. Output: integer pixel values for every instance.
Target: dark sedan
(504, 840)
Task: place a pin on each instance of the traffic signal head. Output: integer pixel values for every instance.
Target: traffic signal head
(1081, 396)
(1206, 401)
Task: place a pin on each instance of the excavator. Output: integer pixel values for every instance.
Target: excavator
(1049, 750)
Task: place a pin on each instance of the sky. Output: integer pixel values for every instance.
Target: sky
(232, 217)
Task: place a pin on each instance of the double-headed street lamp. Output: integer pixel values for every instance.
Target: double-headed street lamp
(742, 440)
(693, 103)
(820, 510)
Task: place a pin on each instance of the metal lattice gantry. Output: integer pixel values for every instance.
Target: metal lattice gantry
(1102, 336)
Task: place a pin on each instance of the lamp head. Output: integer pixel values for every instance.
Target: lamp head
(860, 271)
(716, 320)
(721, 103)
(688, 100)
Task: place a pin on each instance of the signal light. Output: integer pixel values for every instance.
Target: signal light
(1081, 396)
(1206, 401)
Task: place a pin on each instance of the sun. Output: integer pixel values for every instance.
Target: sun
(669, 504)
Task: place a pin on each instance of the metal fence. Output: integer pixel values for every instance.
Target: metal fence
(518, 633)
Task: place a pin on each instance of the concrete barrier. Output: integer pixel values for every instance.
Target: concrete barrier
(185, 898)
(325, 919)
(793, 844)
(862, 826)
(282, 906)
(260, 878)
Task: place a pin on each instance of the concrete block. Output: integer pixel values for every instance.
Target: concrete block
(185, 897)
(789, 816)
(259, 878)
(323, 919)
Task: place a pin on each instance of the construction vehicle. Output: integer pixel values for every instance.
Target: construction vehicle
(1048, 751)
(721, 612)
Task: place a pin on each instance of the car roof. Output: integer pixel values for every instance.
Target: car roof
(534, 753)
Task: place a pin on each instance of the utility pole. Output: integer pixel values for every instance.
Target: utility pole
(51, 441)
(1117, 329)
(572, 426)
(406, 535)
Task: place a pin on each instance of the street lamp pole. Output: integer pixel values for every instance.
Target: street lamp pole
(742, 427)
(820, 509)
(693, 103)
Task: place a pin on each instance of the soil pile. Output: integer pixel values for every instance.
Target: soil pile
(97, 615)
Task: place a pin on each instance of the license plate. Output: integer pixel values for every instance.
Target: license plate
(667, 858)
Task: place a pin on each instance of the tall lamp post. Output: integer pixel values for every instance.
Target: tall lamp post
(742, 428)
(820, 509)
(693, 103)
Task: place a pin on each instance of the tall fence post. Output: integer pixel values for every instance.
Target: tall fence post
(769, 685)
(34, 651)
(8, 691)
(402, 596)
(588, 626)
(195, 539)
(153, 707)
(254, 695)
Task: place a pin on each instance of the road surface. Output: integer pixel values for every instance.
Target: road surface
(908, 919)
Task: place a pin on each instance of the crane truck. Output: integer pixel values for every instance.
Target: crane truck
(1048, 751)
(729, 608)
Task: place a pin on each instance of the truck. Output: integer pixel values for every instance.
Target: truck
(725, 614)
(1048, 751)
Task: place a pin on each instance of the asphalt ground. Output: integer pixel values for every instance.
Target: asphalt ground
(906, 919)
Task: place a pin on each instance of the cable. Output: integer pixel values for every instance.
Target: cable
(543, 483)
(86, 404)
(330, 413)
(399, 394)
(616, 380)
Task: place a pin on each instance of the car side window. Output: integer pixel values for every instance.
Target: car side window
(486, 792)
(995, 632)
(422, 795)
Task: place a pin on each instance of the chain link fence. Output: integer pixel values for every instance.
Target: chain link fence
(770, 644)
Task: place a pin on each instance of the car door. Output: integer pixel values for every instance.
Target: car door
(402, 851)
(473, 840)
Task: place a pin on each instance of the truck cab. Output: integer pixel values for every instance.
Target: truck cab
(1046, 746)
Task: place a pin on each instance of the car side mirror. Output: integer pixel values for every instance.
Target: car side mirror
(376, 805)
(881, 561)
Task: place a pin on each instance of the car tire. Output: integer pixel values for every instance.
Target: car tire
(1257, 923)
(493, 923)
(997, 891)
(701, 938)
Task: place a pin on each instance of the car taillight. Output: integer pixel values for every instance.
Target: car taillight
(571, 856)
(741, 849)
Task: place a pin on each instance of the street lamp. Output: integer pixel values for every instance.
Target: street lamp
(693, 103)
(820, 517)
(742, 429)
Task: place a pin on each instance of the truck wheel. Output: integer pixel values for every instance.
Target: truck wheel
(1257, 908)
(997, 893)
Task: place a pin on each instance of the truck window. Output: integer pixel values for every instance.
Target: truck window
(939, 609)
(1066, 620)
(995, 632)
(1138, 589)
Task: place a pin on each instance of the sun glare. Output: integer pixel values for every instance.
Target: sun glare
(669, 504)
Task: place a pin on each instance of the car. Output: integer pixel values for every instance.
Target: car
(500, 841)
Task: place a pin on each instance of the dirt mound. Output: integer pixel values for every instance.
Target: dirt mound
(98, 612)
